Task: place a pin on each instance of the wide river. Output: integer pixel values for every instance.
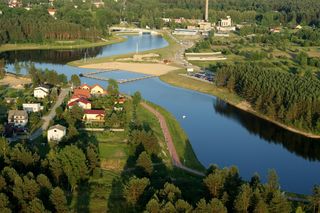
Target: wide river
(219, 133)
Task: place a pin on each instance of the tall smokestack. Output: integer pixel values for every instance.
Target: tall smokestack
(207, 11)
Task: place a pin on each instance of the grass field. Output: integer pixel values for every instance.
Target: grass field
(60, 45)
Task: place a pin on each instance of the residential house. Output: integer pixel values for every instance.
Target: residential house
(85, 87)
(97, 90)
(18, 118)
(81, 102)
(82, 93)
(56, 133)
(93, 115)
(41, 92)
(32, 107)
(14, 3)
(52, 11)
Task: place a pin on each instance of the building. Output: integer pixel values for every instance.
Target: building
(81, 102)
(41, 92)
(98, 3)
(96, 90)
(52, 11)
(56, 133)
(225, 22)
(206, 26)
(93, 115)
(185, 32)
(14, 3)
(82, 93)
(85, 87)
(32, 107)
(18, 118)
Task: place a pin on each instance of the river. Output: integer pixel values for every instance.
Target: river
(219, 133)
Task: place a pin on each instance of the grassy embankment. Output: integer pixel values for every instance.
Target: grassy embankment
(60, 44)
(167, 52)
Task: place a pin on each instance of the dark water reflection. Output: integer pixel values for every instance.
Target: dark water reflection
(50, 56)
(302, 146)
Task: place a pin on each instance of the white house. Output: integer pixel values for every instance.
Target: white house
(41, 92)
(18, 117)
(56, 133)
(32, 107)
(97, 90)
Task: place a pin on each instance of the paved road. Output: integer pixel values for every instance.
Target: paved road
(46, 119)
(168, 138)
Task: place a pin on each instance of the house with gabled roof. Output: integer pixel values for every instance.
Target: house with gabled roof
(41, 92)
(90, 115)
(56, 133)
(82, 93)
(18, 117)
(81, 102)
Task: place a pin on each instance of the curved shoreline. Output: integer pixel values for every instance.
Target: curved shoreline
(34, 46)
(238, 105)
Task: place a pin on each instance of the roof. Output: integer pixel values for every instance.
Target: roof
(81, 99)
(84, 85)
(93, 112)
(81, 92)
(17, 113)
(97, 85)
(58, 126)
(44, 89)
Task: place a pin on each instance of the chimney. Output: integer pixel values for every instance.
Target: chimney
(207, 11)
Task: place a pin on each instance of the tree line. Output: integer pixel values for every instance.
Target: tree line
(36, 25)
(282, 96)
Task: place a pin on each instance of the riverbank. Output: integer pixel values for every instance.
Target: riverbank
(174, 78)
(165, 53)
(155, 69)
(60, 45)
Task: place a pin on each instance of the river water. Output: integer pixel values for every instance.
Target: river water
(219, 133)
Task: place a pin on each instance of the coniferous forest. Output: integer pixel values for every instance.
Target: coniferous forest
(295, 102)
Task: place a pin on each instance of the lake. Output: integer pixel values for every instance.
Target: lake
(219, 133)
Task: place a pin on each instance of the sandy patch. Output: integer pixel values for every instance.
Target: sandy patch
(149, 69)
(14, 82)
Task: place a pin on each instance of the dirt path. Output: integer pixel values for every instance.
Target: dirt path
(168, 138)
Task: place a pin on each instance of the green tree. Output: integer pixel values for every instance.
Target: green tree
(315, 199)
(17, 68)
(216, 206)
(183, 206)
(113, 89)
(58, 200)
(93, 157)
(153, 206)
(75, 80)
(136, 99)
(279, 204)
(170, 192)
(134, 189)
(73, 163)
(36, 206)
(214, 183)
(242, 201)
(144, 161)
(4, 203)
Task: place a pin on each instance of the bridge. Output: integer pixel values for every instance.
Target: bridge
(120, 81)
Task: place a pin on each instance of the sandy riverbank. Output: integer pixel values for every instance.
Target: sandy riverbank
(144, 68)
(15, 82)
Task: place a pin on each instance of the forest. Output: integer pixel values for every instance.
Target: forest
(81, 20)
(282, 96)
